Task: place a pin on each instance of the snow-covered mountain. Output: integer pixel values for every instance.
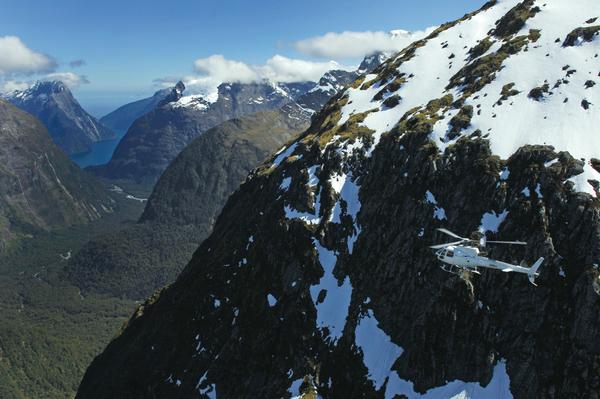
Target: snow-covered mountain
(156, 138)
(69, 125)
(318, 279)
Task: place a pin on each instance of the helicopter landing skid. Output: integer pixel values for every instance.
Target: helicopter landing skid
(458, 271)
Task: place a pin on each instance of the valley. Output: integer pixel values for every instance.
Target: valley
(49, 331)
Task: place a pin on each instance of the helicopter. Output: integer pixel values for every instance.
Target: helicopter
(459, 257)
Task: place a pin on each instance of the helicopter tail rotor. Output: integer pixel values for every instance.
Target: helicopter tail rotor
(532, 274)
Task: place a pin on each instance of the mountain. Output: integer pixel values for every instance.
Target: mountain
(328, 86)
(183, 207)
(156, 138)
(318, 278)
(214, 165)
(123, 117)
(41, 188)
(372, 61)
(71, 128)
(189, 195)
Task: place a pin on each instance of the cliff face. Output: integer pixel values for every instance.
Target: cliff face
(69, 125)
(318, 278)
(41, 188)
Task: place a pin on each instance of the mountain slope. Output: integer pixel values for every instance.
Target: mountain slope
(71, 128)
(183, 207)
(123, 117)
(209, 169)
(318, 278)
(41, 188)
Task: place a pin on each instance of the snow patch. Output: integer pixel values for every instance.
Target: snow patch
(272, 300)
(284, 153)
(333, 310)
(491, 221)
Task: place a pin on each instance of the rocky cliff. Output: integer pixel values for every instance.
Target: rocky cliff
(41, 188)
(318, 279)
(69, 125)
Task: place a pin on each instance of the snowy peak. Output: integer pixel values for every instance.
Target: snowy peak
(71, 127)
(517, 72)
(174, 95)
(370, 62)
(39, 91)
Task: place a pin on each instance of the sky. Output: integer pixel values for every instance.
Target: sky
(112, 52)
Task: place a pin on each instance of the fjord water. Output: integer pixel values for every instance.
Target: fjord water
(100, 153)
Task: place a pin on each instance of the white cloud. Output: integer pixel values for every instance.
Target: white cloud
(7, 86)
(277, 69)
(220, 68)
(19, 64)
(72, 80)
(358, 44)
(282, 69)
(16, 57)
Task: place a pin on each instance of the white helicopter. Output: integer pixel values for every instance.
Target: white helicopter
(459, 257)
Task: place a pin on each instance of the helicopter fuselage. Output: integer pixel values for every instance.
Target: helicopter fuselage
(469, 258)
(457, 257)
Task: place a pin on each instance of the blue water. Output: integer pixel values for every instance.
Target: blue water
(100, 154)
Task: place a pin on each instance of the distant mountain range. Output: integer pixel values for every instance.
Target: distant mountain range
(69, 125)
(191, 192)
(156, 137)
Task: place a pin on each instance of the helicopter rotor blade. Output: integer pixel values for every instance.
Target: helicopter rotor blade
(448, 232)
(440, 246)
(507, 242)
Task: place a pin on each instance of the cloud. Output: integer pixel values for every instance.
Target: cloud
(276, 69)
(77, 63)
(72, 80)
(7, 86)
(349, 44)
(16, 57)
(283, 69)
(216, 69)
(219, 68)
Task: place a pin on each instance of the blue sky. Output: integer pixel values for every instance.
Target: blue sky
(127, 44)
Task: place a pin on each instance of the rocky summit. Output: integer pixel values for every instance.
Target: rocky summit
(318, 279)
(69, 125)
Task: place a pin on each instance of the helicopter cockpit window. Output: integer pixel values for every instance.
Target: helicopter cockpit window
(449, 254)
